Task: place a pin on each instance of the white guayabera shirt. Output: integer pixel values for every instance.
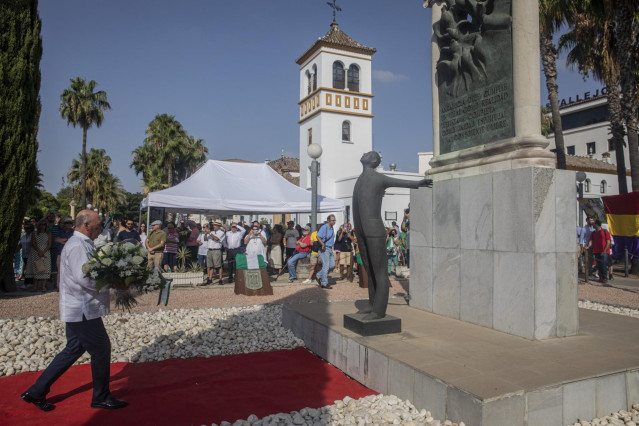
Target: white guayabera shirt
(77, 293)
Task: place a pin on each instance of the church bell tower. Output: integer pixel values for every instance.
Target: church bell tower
(335, 108)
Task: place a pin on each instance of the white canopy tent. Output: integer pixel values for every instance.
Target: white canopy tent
(225, 188)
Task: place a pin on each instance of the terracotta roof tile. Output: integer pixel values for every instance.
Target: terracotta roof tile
(587, 164)
(338, 39)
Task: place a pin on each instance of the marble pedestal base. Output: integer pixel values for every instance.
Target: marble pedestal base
(499, 250)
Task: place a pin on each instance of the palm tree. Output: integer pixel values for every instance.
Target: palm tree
(96, 169)
(626, 17)
(80, 105)
(103, 188)
(110, 195)
(192, 155)
(167, 136)
(592, 48)
(551, 16)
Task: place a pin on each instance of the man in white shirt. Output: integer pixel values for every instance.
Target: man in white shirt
(215, 241)
(233, 244)
(81, 308)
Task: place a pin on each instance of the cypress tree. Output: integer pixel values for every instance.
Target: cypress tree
(20, 53)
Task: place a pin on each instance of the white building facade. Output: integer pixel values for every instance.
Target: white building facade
(586, 130)
(336, 112)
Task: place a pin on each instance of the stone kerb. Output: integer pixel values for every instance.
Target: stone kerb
(498, 250)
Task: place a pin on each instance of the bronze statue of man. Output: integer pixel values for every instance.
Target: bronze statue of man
(369, 228)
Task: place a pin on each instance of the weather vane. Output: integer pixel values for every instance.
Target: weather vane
(335, 8)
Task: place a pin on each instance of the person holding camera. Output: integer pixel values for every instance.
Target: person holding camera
(344, 245)
(392, 244)
(255, 241)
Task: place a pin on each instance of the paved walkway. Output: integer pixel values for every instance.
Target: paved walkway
(620, 291)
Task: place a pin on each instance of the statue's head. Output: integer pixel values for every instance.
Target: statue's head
(371, 159)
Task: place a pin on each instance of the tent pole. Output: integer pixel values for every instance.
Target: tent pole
(148, 218)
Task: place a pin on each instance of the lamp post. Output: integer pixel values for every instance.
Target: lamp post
(314, 151)
(581, 177)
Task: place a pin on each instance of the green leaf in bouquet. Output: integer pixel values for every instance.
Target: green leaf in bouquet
(129, 280)
(101, 283)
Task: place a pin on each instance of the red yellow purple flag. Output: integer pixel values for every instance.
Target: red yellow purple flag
(622, 213)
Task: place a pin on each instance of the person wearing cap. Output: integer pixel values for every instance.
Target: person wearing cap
(233, 244)
(215, 240)
(302, 250)
(290, 236)
(154, 243)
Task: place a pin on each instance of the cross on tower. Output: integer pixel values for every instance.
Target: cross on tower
(335, 8)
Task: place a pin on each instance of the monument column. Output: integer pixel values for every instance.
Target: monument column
(500, 61)
(493, 240)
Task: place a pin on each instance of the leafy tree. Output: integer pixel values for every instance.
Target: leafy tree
(626, 13)
(168, 155)
(80, 105)
(64, 197)
(551, 17)
(591, 45)
(20, 53)
(167, 136)
(546, 122)
(103, 188)
(130, 209)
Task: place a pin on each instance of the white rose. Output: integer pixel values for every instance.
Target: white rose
(128, 246)
(86, 268)
(136, 260)
(107, 262)
(143, 251)
(106, 250)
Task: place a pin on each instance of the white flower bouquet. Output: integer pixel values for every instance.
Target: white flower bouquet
(123, 268)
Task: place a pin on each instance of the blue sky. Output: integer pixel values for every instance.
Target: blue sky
(226, 70)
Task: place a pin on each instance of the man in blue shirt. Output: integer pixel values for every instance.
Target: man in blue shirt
(326, 238)
(129, 233)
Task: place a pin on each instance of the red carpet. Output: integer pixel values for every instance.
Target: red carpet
(187, 391)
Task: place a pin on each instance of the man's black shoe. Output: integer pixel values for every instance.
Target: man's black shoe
(221, 282)
(110, 404)
(41, 403)
(231, 280)
(208, 281)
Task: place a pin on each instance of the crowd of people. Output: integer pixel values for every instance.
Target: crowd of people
(209, 247)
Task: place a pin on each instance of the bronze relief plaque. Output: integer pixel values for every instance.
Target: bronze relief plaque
(474, 73)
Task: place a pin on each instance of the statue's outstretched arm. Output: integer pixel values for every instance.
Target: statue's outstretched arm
(402, 183)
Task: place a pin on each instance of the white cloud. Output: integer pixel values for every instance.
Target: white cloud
(387, 76)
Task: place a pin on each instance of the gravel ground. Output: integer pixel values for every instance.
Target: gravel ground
(370, 410)
(24, 304)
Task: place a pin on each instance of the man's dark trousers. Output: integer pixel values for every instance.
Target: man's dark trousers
(230, 259)
(89, 336)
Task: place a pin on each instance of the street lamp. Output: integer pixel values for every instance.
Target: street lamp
(314, 151)
(581, 177)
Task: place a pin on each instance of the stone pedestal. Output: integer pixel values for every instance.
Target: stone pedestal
(498, 250)
(387, 325)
